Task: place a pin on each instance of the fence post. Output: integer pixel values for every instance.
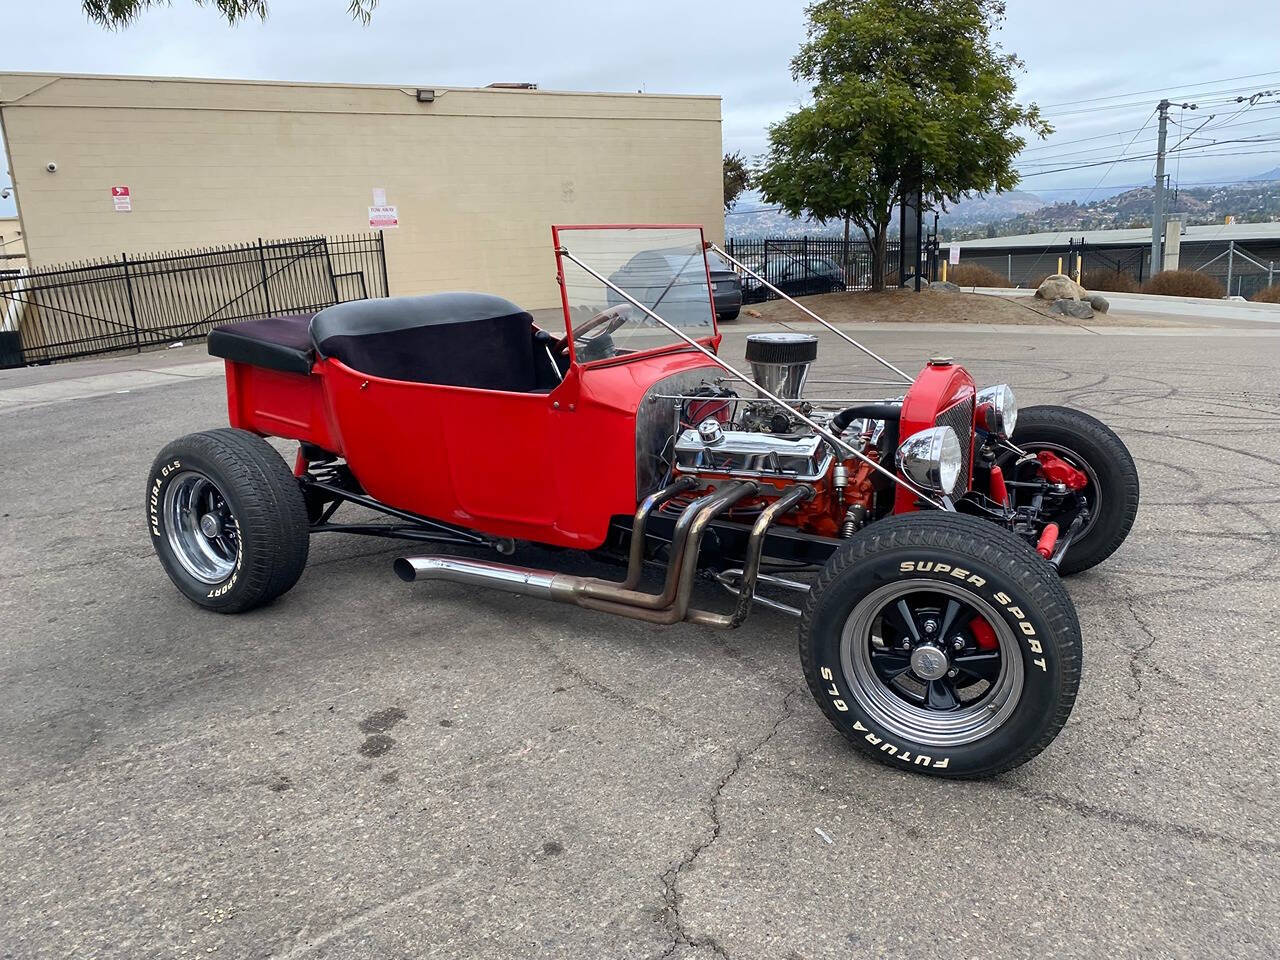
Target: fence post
(133, 310)
(1009, 272)
(382, 255)
(266, 292)
(1271, 272)
(1231, 257)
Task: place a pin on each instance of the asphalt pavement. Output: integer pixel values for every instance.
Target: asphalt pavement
(369, 768)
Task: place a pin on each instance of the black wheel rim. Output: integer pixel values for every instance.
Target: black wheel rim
(932, 662)
(1028, 472)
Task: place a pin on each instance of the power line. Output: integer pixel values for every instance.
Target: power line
(1135, 93)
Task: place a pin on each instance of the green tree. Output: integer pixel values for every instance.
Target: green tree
(121, 13)
(902, 91)
(737, 177)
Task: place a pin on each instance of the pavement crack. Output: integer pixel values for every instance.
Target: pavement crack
(676, 924)
(1136, 659)
(598, 687)
(1185, 831)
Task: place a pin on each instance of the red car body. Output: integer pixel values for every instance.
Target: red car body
(513, 463)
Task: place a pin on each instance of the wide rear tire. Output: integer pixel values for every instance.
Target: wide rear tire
(227, 520)
(975, 675)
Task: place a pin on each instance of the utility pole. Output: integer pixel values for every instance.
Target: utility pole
(1157, 214)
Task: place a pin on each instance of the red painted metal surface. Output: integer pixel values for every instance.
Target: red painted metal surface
(1048, 540)
(983, 634)
(936, 390)
(1057, 470)
(996, 488)
(548, 467)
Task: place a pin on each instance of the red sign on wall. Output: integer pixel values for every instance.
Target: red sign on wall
(121, 199)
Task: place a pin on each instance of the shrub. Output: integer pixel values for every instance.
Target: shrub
(1109, 281)
(1184, 283)
(975, 275)
(1267, 295)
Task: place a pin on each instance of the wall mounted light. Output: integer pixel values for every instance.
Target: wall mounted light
(426, 96)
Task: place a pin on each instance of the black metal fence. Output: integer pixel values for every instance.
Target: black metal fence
(806, 265)
(107, 306)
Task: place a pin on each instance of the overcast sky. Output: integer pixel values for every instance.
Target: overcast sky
(740, 51)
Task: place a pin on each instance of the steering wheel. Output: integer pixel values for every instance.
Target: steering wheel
(613, 318)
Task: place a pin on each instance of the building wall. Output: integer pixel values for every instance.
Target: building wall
(478, 175)
(10, 238)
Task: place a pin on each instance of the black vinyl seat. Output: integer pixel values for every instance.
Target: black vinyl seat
(454, 339)
(277, 343)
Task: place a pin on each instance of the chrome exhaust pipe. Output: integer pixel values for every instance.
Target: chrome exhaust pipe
(524, 581)
(670, 606)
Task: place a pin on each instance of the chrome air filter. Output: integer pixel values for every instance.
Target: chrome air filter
(780, 361)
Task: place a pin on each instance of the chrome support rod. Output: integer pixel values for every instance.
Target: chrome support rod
(842, 335)
(831, 438)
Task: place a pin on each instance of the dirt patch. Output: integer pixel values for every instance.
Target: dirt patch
(907, 306)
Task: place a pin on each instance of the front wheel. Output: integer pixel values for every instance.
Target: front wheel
(1090, 446)
(940, 645)
(227, 519)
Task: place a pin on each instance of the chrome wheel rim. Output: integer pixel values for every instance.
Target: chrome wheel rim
(866, 644)
(202, 530)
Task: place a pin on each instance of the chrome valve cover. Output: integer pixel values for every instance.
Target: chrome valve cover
(748, 454)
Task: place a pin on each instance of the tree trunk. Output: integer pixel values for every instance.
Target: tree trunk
(844, 251)
(877, 237)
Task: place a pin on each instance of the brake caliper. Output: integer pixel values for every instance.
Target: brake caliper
(1056, 470)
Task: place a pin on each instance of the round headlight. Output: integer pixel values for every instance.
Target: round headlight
(998, 410)
(931, 459)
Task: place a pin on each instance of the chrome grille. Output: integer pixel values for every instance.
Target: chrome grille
(959, 417)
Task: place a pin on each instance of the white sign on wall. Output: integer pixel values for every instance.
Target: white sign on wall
(121, 199)
(379, 197)
(954, 256)
(383, 218)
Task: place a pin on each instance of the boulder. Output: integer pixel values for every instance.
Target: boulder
(1078, 309)
(1060, 287)
(1099, 303)
(944, 286)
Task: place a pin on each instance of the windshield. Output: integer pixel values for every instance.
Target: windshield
(663, 268)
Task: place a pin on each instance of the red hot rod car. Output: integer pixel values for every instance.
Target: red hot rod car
(936, 634)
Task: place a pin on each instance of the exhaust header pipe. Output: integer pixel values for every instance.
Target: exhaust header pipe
(669, 606)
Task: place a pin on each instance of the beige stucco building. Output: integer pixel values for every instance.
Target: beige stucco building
(477, 175)
(12, 247)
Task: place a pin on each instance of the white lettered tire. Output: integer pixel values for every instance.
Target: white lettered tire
(227, 520)
(941, 644)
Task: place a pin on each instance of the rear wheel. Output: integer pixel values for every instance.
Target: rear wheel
(937, 644)
(227, 519)
(729, 315)
(1090, 446)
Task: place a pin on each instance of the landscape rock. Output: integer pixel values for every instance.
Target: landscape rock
(1099, 303)
(945, 286)
(1060, 287)
(1079, 309)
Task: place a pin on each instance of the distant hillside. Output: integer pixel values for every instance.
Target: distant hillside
(1257, 201)
(752, 217)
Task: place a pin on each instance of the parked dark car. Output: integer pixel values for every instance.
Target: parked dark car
(646, 276)
(796, 276)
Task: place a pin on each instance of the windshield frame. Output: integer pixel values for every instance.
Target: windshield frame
(710, 341)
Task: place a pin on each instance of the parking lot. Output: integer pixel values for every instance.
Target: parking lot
(374, 769)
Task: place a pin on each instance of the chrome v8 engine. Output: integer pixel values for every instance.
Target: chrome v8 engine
(759, 441)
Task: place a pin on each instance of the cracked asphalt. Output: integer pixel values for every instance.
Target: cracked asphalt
(374, 769)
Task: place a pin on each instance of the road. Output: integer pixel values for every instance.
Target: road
(374, 769)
